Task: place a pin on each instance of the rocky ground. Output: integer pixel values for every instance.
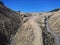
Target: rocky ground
(39, 28)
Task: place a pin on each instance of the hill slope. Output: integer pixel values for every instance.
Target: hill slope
(9, 23)
(18, 28)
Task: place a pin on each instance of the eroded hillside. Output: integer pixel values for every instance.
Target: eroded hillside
(9, 24)
(18, 28)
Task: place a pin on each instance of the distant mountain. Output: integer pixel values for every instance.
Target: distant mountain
(57, 9)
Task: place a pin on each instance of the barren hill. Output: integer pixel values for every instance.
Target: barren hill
(9, 24)
(18, 28)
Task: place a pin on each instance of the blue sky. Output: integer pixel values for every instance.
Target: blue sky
(32, 5)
